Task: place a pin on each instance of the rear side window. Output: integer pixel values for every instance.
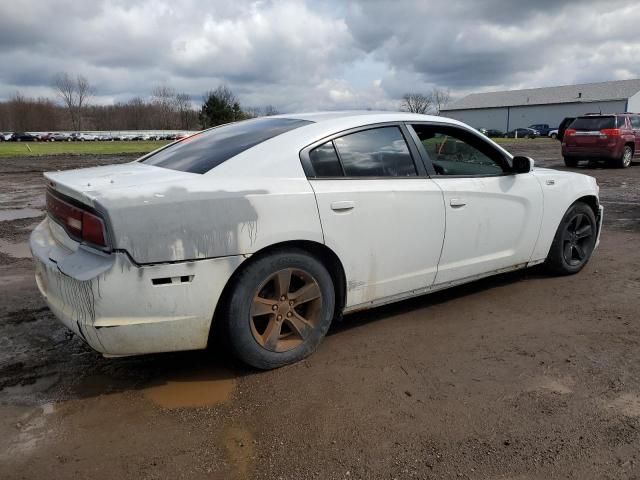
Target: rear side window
(593, 123)
(324, 161)
(635, 122)
(206, 150)
(379, 152)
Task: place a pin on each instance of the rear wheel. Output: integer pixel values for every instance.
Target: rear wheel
(280, 309)
(574, 241)
(571, 162)
(554, 135)
(625, 160)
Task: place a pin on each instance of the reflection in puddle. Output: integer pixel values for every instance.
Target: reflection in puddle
(18, 213)
(195, 390)
(16, 250)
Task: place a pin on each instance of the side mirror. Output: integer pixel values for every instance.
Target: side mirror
(522, 164)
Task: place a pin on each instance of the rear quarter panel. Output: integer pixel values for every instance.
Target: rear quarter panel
(209, 218)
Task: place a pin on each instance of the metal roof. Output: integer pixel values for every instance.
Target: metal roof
(587, 92)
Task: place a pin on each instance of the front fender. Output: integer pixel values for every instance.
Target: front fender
(560, 190)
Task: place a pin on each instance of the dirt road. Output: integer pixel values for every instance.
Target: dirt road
(522, 376)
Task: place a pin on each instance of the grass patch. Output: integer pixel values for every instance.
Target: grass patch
(34, 149)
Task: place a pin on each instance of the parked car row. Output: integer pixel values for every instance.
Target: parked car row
(532, 131)
(84, 137)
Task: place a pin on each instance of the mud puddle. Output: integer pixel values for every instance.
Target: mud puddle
(19, 213)
(203, 389)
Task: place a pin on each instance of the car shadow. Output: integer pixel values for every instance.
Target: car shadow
(364, 317)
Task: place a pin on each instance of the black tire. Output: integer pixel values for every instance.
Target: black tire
(239, 317)
(625, 159)
(571, 162)
(574, 241)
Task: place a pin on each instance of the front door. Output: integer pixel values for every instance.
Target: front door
(492, 216)
(379, 211)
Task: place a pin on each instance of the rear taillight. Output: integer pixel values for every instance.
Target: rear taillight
(569, 132)
(80, 224)
(610, 132)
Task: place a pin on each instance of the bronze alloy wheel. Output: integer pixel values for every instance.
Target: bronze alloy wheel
(285, 310)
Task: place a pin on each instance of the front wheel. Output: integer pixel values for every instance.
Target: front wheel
(574, 241)
(279, 310)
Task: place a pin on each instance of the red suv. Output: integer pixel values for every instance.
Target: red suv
(614, 138)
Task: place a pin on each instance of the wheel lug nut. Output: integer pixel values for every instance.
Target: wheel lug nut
(275, 307)
(289, 314)
(290, 302)
(279, 317)
(283, 298)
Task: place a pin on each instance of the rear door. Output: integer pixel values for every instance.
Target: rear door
(492, 216)
(379, 211)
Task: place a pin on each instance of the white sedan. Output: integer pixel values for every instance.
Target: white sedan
(271, 228)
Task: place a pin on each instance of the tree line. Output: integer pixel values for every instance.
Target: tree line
(164, 109)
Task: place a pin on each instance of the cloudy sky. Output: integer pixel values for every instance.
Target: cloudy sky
(315, 54)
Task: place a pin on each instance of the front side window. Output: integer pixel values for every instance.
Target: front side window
(455, 152)
(635, 122)
(379, 152)
(203, 151)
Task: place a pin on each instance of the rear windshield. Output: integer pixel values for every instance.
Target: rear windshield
(203, 151)
(593, 123)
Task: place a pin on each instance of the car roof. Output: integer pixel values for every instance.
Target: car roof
(364, 116)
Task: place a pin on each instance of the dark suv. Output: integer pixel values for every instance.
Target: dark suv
(614, 138)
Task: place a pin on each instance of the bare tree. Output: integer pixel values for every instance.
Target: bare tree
(164, 98)
(75, 93)
(416, 103)
(185, 110)
(270, 110)
(440, 99)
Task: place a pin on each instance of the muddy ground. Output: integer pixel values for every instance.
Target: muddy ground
(522, 376)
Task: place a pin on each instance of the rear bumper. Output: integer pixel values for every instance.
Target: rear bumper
(120, 308)
(591, 152)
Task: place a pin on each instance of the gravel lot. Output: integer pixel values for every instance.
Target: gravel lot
(522, 376)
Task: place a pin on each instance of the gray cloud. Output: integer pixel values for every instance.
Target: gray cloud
(304, 55)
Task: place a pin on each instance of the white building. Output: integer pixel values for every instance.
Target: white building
(520, 108)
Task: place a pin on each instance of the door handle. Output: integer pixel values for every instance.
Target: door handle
(457, 202)
(342, 206)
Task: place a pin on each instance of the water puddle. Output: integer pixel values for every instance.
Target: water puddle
(16, 250)
(18, 213)
(195, 390)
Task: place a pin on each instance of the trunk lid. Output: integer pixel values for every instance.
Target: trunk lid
(86, 184)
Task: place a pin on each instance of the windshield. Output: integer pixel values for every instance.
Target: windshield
(203, 151)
